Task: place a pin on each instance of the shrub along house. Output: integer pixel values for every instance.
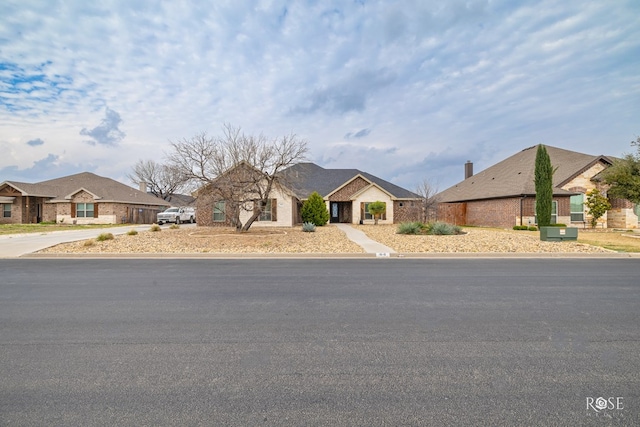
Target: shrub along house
(503, 195)
(84, 198)
(346, 192)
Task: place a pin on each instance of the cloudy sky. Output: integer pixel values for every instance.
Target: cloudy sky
(406, 90)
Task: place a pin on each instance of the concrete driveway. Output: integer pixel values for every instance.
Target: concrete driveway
(15, 245)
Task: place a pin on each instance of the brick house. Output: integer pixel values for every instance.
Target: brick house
(503, 195)
(83, 198)
(346, 192)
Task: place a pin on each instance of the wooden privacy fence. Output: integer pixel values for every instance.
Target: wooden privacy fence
(453, 213)
(142, 216)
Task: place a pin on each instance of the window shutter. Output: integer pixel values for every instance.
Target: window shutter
(274, 209)
(362, 210)
(256, 204)
(73, 210)
(95, 210)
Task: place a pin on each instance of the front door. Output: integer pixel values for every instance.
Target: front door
(340, 212)
(334, 212)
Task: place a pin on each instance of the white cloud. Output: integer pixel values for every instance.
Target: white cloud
(429, 83)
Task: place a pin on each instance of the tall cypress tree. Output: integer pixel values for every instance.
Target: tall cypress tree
(544, 186)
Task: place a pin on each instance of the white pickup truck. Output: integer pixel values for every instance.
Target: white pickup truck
(177, 215)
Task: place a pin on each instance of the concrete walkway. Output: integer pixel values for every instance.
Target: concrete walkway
(370, 246)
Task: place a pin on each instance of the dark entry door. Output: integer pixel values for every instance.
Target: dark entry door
(334, 212)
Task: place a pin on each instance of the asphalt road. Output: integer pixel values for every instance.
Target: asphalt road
(319, 342)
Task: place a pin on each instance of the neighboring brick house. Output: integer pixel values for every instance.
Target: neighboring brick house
(346, 192)
(83, 198)
(503, 195)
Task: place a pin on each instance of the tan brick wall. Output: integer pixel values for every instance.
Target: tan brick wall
(345, 193)
(372, 194)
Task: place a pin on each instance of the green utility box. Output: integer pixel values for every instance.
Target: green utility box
(558, 234)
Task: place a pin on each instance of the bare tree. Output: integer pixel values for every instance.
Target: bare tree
(241, 170)
(428, 198)
(160, 179)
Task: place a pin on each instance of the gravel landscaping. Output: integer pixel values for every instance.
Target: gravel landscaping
(325, 240)
(476, 240)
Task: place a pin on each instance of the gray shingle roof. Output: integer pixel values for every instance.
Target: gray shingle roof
(106, 189)
(514, 176)
(305, 178)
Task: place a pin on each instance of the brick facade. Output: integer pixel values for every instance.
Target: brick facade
(505, 212)
(344, 194)
(406, 211)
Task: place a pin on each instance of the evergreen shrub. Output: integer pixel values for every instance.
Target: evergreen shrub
(314, 210)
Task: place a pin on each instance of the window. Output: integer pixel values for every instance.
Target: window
(577, 208)
(219, 210)
(265, 215)
(554, 212)
(84, 210)
(6, 210)
(368, 215)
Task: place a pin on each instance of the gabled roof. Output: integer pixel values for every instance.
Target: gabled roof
(181, 199)
(514, 176)
(305, 178)
(28, 189)
(103, 189)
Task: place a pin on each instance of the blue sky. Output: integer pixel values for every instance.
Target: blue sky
(406, 90)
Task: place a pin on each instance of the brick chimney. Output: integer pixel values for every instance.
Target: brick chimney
(143, 187)
(468, 169)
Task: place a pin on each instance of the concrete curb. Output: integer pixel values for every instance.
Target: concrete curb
(457, 255)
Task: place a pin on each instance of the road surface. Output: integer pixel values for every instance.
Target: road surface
(320, 342)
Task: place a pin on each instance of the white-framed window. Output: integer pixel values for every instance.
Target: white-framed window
(265, 215)
(367, 214)
(219, 210)
(84, 210)
(577, 208)
(6, 210)
(554, 212)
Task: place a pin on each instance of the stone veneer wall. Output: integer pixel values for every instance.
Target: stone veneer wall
(621, 214)
(345, 193)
